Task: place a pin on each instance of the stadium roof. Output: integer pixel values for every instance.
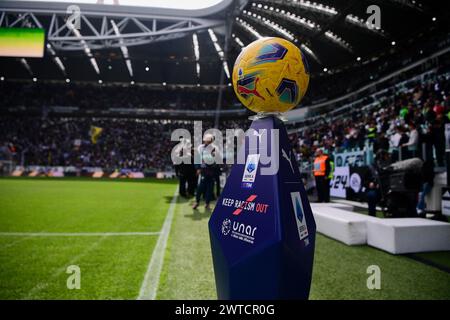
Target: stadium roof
(173, 4)
(174, 45)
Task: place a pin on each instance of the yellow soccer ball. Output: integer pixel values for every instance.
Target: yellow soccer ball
(270, 75)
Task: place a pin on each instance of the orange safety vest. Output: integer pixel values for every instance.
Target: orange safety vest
(320, 166)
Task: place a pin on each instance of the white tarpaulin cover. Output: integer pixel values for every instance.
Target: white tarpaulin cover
(345, 226)
(408, 235)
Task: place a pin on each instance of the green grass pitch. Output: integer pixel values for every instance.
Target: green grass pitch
(110, 228)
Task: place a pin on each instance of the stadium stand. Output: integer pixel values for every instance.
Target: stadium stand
(125, 143)
(94, 96)
(426, 105)
(134, 144)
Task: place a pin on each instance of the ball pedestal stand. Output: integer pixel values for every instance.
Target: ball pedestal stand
(262, 230)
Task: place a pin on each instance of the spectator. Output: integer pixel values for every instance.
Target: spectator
(321, 170)
(381, 142)
(413, 142)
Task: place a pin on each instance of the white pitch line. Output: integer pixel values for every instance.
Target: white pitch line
(76, 234)
(149, 286)
(43, 285)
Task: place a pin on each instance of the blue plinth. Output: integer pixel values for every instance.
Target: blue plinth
(262, 230)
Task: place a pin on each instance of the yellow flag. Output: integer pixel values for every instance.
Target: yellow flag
(95, 133)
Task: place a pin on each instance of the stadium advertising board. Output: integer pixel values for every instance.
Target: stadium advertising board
(350, 158)
(358, 180)
(445, 205)
(22, 42)
(339, 182)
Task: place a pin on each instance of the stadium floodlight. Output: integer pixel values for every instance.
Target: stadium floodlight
(250, 29)
(196, 54)
(219, 51)
(60, 64)
(314, 6)
(24, 62)
(276, 27)
(123, 48)
(87, 50)
(364, 24)
(246, 26)
(196, 46)
(226, 69)
(304, 22)
(310, 52)
(94, 65)
(338, 40)
(129, 67)
(308, 24)
(283, 31)
(56, 59)
(238, 41)
(197, 68)
(301, 21)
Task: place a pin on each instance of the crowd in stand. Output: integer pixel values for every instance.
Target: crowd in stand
(406, 126)
(122, 144)
(95, 96)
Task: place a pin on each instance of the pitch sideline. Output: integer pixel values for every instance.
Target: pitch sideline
(149, 286)
(76, 234)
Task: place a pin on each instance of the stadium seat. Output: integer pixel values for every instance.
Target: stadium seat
(408, 235)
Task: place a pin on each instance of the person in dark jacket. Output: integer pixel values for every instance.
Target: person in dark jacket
(185, 170)
(427, 177)
(381, 143)
(206, 172)
(372, 198)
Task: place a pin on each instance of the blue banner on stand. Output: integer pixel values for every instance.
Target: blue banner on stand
(262, 229)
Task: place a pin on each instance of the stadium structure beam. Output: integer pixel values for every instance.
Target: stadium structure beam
(100, 35)
(124, 50)
(228, 29)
